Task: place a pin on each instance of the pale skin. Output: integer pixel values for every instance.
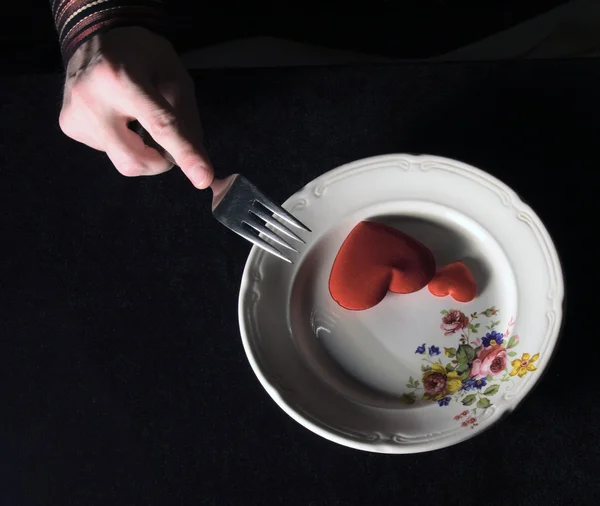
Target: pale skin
(131, 74)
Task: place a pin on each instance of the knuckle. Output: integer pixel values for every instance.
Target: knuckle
(65, 123)
(161, 167)
(70, 127)
(162, 123)
(189, 158)
(73, 124)
(130, 169)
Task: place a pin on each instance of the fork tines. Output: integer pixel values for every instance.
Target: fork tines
(263, 214)
(254, 216)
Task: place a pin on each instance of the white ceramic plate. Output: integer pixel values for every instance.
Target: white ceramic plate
(388, 379)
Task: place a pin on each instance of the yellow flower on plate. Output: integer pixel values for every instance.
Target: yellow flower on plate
(524, 364)
(438, 382)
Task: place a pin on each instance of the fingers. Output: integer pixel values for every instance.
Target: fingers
(128, 153)
(169, 130)
(106, 132)
(78, 127)
(134, 75)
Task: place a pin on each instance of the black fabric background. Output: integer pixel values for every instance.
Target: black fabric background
(398, 28)
(122, 375)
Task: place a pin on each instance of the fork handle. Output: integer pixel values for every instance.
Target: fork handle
(136, 127)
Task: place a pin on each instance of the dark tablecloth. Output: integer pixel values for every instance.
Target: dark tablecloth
(122, 376)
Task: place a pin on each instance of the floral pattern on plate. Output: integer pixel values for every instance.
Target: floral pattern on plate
(473, 371)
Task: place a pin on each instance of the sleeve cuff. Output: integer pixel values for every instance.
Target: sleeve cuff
(78, 20)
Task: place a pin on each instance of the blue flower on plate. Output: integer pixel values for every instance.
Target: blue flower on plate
(421, 349)
(434, 350)
(467, 384)
(492, 338)
(444, 401)
(480, 383)
(473, 383)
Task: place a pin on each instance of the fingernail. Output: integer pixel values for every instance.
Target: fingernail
(202, 177)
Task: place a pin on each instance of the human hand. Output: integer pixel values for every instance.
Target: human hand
(132, 74)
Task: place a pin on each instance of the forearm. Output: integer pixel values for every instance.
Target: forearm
(78, 20)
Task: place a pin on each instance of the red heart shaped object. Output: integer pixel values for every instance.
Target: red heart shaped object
(375, 259)
(454, 279)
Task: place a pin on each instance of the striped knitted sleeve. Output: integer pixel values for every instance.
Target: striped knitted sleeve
(78, 20)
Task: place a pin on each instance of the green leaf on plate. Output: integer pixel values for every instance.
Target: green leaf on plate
(469, 399)
(465, 353)
(462, 368)
(483, 403)
(474, 328)
(512, 353)
(492, 390)
(443, 311)
(450, 352)
(408, 398)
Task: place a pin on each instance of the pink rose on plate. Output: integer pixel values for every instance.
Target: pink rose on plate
(490, 361)
(453, 321)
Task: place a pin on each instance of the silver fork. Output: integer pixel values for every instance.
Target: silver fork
(243, 208)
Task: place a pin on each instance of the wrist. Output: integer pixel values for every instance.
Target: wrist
(114, 41)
